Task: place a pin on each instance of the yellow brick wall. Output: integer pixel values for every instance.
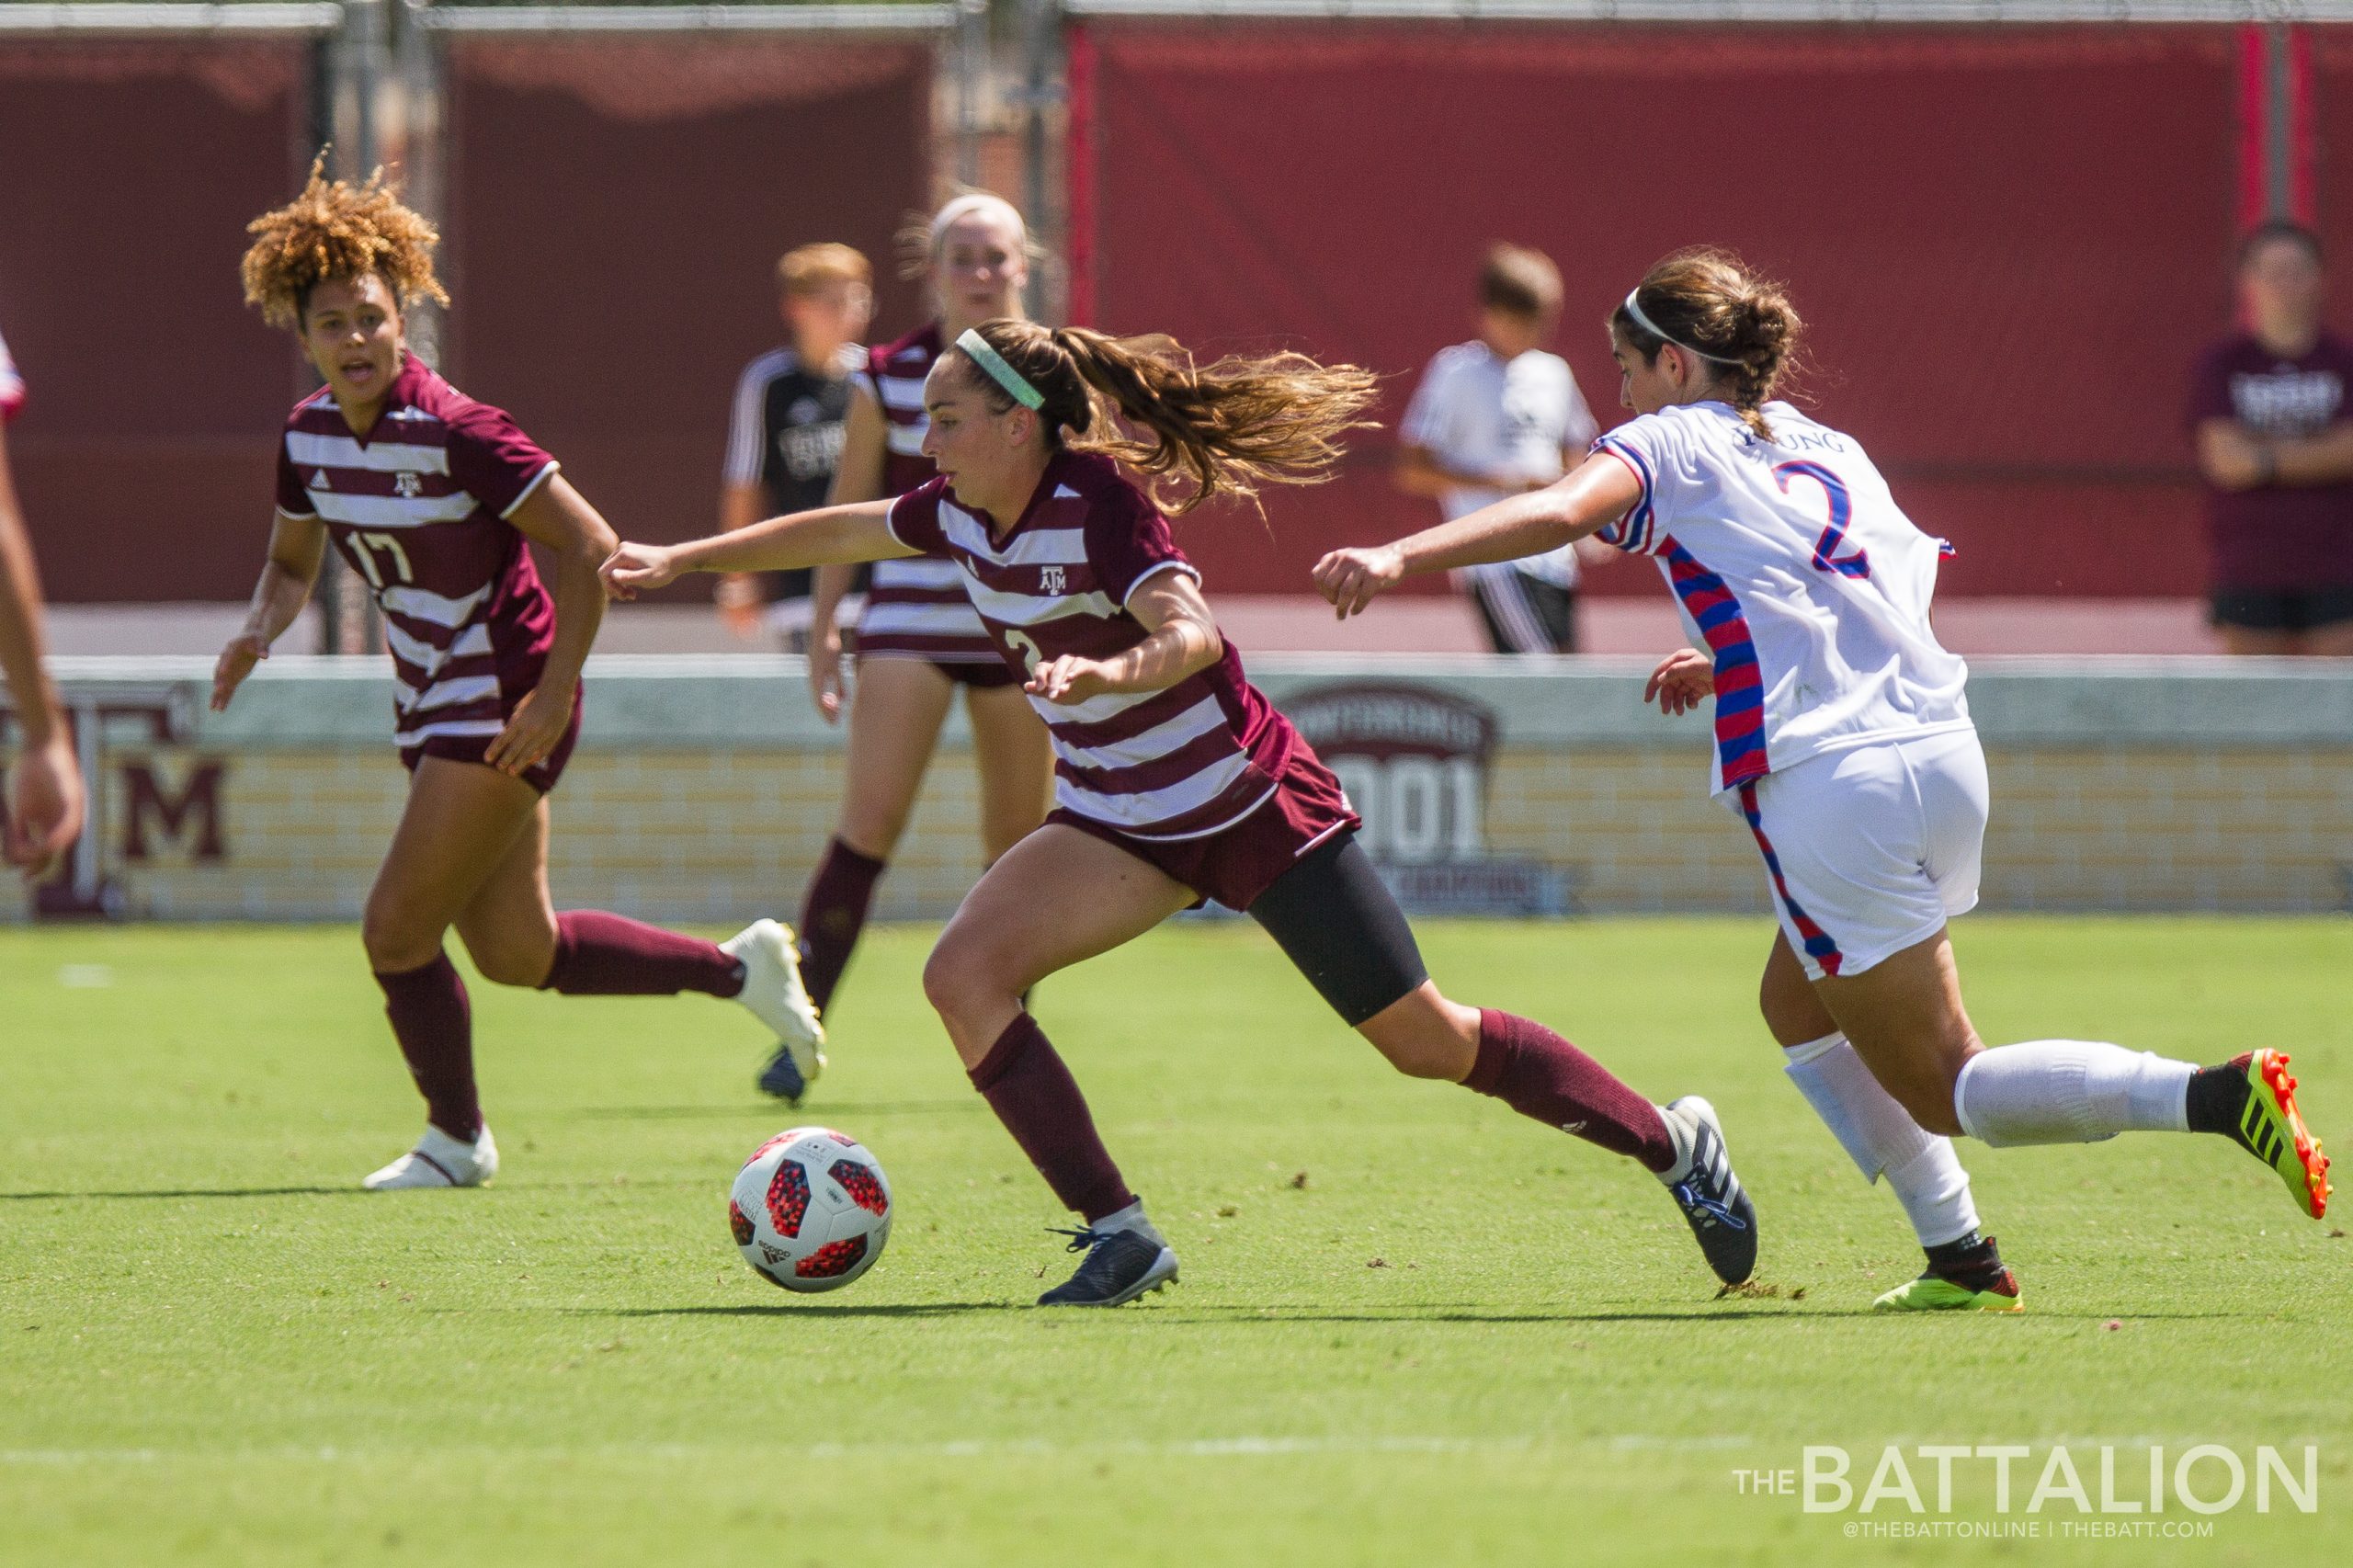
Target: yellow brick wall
(724, 835)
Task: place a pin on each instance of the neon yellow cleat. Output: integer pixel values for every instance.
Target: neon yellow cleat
(1934, 1293)
(2272, 1130)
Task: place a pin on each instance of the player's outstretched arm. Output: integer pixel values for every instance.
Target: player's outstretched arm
(1185, 639)
(44, 802)
(297, 546)
(558, 519)
(1581, 503)
(857, 476)
(830, 536)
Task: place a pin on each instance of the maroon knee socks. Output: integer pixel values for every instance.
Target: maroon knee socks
(1033, 1094)
(435, 1027)
(833, 912)
(599, 954)
(1540, 1075)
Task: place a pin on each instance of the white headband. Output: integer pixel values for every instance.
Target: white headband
(975, 202)
(1634, 313)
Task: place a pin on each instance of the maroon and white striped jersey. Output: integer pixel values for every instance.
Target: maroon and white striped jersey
(1180, 763)
(12, 385)
(419, 506)
(914, 607)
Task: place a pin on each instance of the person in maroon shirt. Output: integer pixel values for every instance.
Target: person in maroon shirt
(2275, 444)
(430, 496)
(41, 811)
(1177, 780)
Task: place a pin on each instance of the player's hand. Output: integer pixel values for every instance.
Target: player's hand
(738, 599)
(44, 803)
(825, 686)
(1069, 679)
(635, 568)
(1683, 680)
(1352, 579)
(537, 724)
(245, 649)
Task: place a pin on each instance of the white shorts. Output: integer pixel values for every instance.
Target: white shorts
(1871, 849)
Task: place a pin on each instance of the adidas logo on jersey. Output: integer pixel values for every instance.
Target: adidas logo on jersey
(319, 480)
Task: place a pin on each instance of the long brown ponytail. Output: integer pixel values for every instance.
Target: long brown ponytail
(1709, 302)
(1223, 429)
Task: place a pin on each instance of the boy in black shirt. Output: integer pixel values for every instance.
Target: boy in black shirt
(785, 437)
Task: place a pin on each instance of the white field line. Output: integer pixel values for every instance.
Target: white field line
(982, 1447)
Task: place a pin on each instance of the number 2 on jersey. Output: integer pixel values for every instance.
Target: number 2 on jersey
(363, 551)
(1842, 510)
(1023, 644)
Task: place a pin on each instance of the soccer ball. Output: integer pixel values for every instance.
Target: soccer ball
(811, 1208)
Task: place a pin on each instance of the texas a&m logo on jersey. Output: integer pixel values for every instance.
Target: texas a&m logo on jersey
(408, 482)
(1051, 580)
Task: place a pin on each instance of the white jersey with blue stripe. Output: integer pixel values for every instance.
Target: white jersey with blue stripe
(1794, 567)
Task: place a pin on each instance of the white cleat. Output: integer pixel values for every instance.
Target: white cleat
(773, 993)
(439, 1160)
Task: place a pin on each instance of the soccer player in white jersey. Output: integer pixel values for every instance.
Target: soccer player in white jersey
(41, 812)
(434, 498)
(1495, 416)
(1175, 781)
(919, 642)
(1843, 739)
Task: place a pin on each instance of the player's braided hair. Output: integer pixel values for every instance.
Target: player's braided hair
(1223, 429)
(1708, 301)
(336, 230)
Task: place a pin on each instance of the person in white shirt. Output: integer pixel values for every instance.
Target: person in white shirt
(1494, 417)
(1843, 739)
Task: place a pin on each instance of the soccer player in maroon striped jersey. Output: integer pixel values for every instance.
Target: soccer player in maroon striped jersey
(43, 801)
(918, 640)
(1175, 781)
(430, 496)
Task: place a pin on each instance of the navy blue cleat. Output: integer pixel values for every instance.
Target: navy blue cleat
(1713, 1203)
(1119, 1267)
(782, 1077)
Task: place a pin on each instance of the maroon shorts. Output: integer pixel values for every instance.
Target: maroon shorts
(980, 675)
(1235, 865)
(541, 776)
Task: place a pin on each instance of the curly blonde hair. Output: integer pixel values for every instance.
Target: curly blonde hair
(336, 230)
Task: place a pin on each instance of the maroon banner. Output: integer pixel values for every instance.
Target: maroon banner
(618, 209)
(2009, 244)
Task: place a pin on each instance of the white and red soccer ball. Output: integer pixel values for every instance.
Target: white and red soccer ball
(811, 1208)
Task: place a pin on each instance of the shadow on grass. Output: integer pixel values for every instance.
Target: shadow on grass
(832, 1110)
(1478, 1314)
(803, 1309)
(347, 1189)
(1173, 1314)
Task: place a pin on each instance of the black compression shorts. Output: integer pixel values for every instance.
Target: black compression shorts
(1336, 920)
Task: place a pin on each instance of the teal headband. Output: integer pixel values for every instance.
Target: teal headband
(1002, 374)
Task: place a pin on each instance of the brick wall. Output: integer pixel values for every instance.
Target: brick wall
(703, 789)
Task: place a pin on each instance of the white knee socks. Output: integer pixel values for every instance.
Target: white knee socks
(2070, 1091)
(1881, 1137)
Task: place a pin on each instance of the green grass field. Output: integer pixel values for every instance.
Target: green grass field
(1412, 1328)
